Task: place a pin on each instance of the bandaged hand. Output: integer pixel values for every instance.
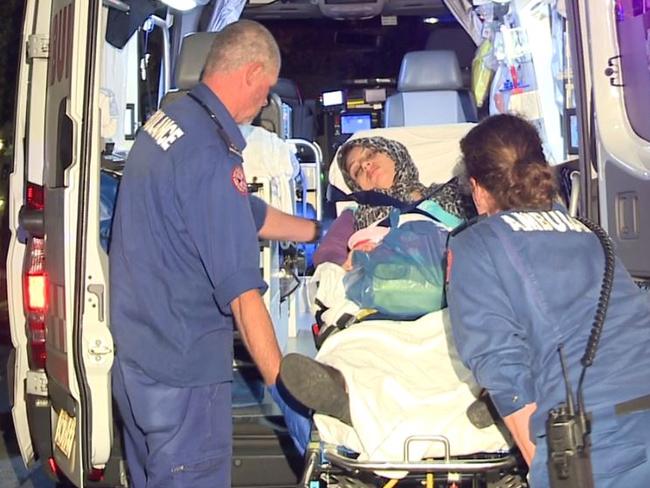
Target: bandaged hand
(363, 246)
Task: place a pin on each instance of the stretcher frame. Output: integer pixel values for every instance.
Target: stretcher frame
(326, 460)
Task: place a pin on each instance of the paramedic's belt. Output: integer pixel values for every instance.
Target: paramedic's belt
(634, 405)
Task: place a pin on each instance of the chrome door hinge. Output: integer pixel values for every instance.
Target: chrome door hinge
(38, 46)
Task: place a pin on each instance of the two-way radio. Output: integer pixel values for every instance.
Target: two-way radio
(568, 427)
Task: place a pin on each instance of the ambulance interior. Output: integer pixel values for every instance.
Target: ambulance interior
(347, 68)
(350, 67)
(413, 68)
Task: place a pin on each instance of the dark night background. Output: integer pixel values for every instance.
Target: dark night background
(10, 25)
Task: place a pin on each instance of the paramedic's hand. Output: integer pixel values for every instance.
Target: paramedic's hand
(297, 418)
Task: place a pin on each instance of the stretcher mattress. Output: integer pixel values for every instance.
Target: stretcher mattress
(404, 379)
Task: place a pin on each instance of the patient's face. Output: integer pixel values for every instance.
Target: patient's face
(371, 170)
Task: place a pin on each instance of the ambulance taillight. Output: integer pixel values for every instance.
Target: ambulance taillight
(36, 286)
(35, 292)
(35, 197)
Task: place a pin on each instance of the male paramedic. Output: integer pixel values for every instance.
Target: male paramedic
(185, 263)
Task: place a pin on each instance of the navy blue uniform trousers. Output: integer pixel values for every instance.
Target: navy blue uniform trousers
(174, 437)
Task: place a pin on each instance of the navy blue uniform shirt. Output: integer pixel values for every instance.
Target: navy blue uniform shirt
(184, 244)
(519, 284)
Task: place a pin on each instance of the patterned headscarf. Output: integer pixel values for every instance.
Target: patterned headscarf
(406, 185)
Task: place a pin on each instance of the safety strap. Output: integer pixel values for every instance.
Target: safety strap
(426, 206)
(220, 130)
(368, 197)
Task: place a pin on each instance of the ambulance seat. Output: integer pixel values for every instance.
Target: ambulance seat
(429, 91)
(189, 67)
(302, 111)
(454, 38)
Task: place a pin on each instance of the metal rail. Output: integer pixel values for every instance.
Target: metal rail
(470, 466)
(117, 5)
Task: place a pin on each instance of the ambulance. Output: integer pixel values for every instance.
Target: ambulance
(92, 72)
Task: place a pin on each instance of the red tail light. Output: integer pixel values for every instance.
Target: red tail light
(96, 474)
(35, 293)
(37, 341)
(53, 466)
(35, 196)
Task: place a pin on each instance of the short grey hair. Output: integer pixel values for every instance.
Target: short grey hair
(240, 43)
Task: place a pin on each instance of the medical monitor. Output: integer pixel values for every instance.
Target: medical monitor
(333, 98)
(351, 123)
(374, 95)
(287, 121)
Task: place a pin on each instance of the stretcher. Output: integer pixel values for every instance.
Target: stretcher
(408, 411)
(408, 390)
(330, 466)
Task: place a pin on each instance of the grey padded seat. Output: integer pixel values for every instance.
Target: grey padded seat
(457, 40)
(189, 67)
(429, 91)
(302, 111)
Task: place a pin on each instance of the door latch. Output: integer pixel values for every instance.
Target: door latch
(613, 71)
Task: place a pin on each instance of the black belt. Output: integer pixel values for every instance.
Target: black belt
(634, 405)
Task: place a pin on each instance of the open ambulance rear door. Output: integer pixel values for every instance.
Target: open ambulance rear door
(613, 45)
(58, 294)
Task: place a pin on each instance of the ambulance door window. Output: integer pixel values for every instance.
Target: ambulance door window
(633, 32)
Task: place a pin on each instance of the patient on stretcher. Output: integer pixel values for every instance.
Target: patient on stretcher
(403, 277)
(376, 383)
(385, 167)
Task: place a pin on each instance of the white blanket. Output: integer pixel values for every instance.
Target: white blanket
(403, 379)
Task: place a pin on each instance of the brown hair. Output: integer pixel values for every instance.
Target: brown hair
(504, 155)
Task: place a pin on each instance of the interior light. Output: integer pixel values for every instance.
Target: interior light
(431, 20)
(181, 5)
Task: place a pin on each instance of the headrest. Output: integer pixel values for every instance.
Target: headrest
(191, 60)
(286, 89)
(435, 150)
(429, 70)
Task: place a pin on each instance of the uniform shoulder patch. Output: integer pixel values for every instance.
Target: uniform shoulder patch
(239, 179)
(163, 130)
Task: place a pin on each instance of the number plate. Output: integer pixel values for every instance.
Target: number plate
(66, 428)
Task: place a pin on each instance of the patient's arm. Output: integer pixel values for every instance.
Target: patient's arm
(518, 424)
(333, 248)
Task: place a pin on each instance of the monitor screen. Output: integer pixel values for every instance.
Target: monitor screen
(287, 121)
(351, 123)
(374, 95)
(332, 98)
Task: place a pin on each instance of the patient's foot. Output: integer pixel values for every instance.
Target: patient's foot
(316, 385)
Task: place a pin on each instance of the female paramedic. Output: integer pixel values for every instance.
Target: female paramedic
(525, 279)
